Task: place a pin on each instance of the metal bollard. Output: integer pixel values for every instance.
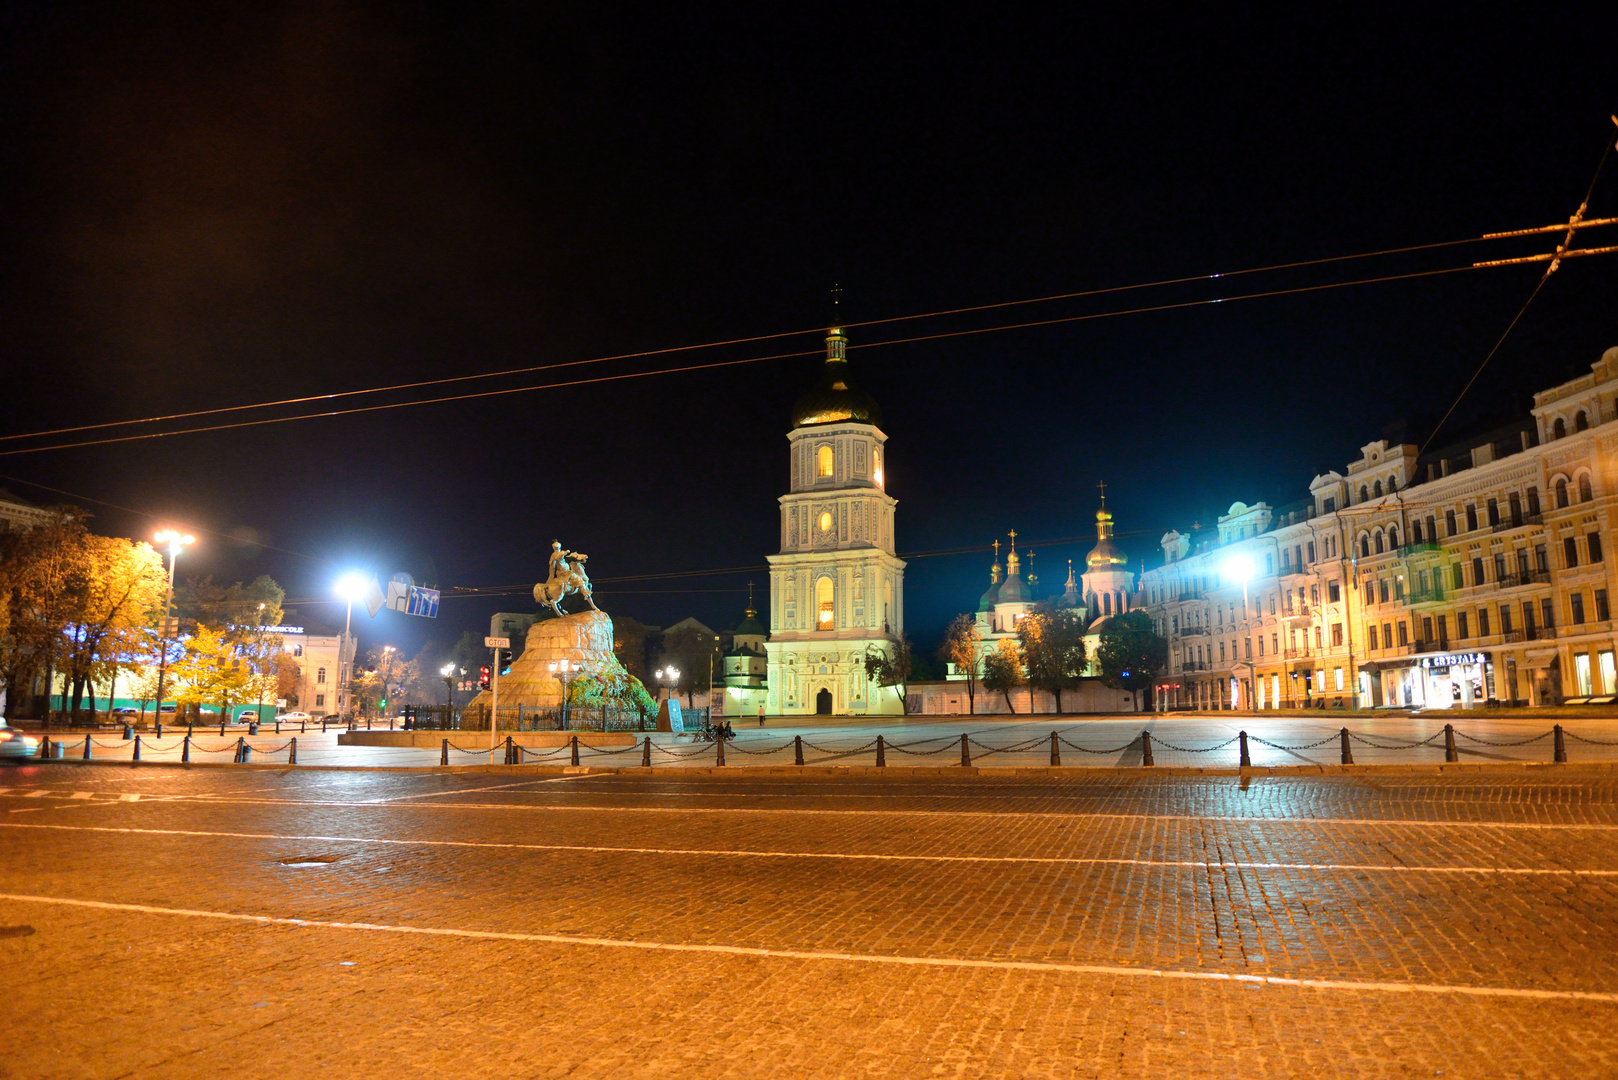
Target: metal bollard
(221, 729)
(241, 744)
(1247, 759)
(443, 753)
(881, 753)
(797, 745)
(44, 747)
(966, 755)
(511, 757)
(575, 750)
(160, 729)
(1347, 754)
(185, 750)
(646, 753)
(1559, 751)
(1146, 749)
(137, 749)
(719, 743)
(323, 725)
(1450, 753)
(278, 725)
(87, 747)
(292, 758)
(129, 732)
(1056, 753)
(303, 726)
(252, 729)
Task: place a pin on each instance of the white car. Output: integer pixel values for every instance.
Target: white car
(14, 744)
(294, 717)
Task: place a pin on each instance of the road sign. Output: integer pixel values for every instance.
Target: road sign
(497, 642)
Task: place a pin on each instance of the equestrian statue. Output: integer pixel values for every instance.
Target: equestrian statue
(566, 577)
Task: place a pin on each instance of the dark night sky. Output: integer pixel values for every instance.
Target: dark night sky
(207, 205)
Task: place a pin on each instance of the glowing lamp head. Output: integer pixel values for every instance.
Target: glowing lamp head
(1238, 568)
(447, 670)
(175, 540)
(350, 587)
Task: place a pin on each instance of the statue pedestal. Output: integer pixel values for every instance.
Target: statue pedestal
(584, 640)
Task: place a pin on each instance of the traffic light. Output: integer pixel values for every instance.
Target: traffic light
(483, 677)
(382, 704)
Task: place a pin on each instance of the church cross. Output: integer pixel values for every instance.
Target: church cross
(1013, 535)
(1103, 487)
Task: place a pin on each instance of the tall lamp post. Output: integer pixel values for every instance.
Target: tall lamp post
(1241, 568)
(561, 668)
(176, 542)
(350, 587)
(448, 671)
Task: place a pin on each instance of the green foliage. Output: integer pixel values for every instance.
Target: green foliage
(963, 647)
(890, 665)
(1052, 642)
(1130, 653)
(621, 692)
(1003, 671)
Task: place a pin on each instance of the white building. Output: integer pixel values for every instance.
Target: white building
(836, 588)
(325, 662)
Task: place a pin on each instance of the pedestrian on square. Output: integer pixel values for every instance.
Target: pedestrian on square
(761, 716)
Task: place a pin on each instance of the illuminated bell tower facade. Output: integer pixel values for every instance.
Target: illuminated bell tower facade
(836, 588)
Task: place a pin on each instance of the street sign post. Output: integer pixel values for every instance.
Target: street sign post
(495, 643)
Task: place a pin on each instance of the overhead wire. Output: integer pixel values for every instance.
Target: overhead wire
(940, 313)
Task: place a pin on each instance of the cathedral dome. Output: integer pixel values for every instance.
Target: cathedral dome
(1105, 555)
(834, 401)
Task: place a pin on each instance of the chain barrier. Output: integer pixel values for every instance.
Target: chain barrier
(1087, 750)
(1518, 742)
(1397, 746)
(1592, 742)
(734, 748)
(1188, 750)
(953, 744)
(632, 748)
(694, 752)
(1301, 746)
(846, 753)
(1014, 748)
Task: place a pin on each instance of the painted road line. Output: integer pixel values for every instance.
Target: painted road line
(950, 962)
(471, 790)
(742, 853)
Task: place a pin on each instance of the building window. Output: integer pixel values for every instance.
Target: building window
(1365, 547)
(1387, 636)
(1336, 634)
(823, 604)
(1494, 512)
(1370, 634)
(1329, 506)
(1404, 633)
(320, 701)
(823, 456)
(1561, 492)
(876, 467)
(1477, 570)
(1393, 537)
(1334, 591)
(1449, 522)
(1337, 677)
(1609, 675)
(1377, 489)
(1581, 423)
(1364, 494)
(1576, 603)
(1499, 566)
(1415, 533)
(1594, 542)
(1533, 500)
(1505, 618)
(1455, 576)
(1471, 517)
(825, 521)
(1483, 622)
(1247, 645)
(1261, 646)
(1570, 551)
(1370, 592)
(1581, 668)
(1462, 630)
(1547, 611)
(1602, 612)
(320, 675)
(1221, 652)
(1398, 588)
(1585, 494)
(1559, 429)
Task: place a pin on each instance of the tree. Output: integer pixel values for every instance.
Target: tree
(963, 647)
(36, 568)
(629, 645)
(1002, 671)
(1052, 642)
(234, 611)
(1130, 654)
(891, 666)
(114, 588)
(698, 658)
(209, 670)
(143, 688)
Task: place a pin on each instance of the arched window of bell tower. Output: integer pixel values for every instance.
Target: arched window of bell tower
(823, 459)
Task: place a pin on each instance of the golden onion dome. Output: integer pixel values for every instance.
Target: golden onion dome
(834, 401)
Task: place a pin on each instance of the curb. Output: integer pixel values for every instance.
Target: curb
(902, 772)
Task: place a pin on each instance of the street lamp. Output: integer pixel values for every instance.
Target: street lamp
(560, 668)
(667, 679)
(176, 542)
(349, 587)
(1241, 568)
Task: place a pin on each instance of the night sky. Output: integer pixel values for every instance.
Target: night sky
(216, 205)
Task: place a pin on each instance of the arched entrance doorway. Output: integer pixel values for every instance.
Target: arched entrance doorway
(823, 703)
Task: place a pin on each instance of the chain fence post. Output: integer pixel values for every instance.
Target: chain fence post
(87, 739)
(575, 749)
(1146, 749)
(1450, 753)
(966, 755)
(797, 745)
(129, 732)
(292, 758)
(1347, 753)
(221, 729)
(881, 753)
(185, 750)
(1559, 753)
(303, 726)
(159, 727)
(44, 747)
(443, 753)
(1056, 753)
(241, 744)
(1246, 758)
(511, 751)
(137, 749)
(646, 752)
(719, 743)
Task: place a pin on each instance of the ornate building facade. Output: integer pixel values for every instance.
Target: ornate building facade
(1473, 573)
(836, 587)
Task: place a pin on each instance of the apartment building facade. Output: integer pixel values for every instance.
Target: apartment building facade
(1472, 574)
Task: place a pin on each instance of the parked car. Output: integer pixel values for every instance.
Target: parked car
(295, 717)
(247, 716)
(167, 710)
(14, 744)
(127, 711)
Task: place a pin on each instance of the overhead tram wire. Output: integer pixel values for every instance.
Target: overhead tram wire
(1081, 294)
(1148, 309)
(1564, 250)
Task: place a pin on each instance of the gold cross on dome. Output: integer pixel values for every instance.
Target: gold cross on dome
(1103, 487)
(1013, 535)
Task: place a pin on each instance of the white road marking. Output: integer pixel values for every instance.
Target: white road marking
(994, 814)
(742, 853)
(1033, 966)
(84, 794)
(467, 791)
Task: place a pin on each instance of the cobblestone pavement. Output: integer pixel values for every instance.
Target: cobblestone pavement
(162, 922)
(1178, 740)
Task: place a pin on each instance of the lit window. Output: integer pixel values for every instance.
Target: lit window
(823, 455)
(823, 603)
(876, 466)
(825, 521)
